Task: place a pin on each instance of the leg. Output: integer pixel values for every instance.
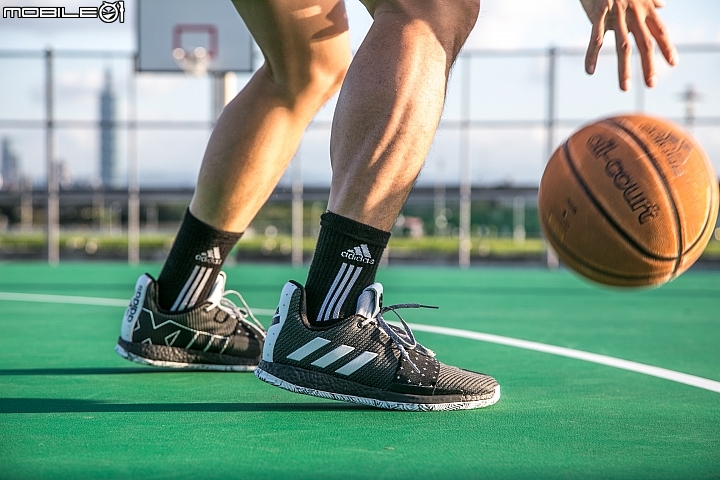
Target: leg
(390, 104)
(306, 49)
(388, 112)
(386, 117)
(306, 55)
(183, 319)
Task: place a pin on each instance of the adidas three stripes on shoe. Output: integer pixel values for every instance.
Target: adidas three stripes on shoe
(364, 359)
(214, 335)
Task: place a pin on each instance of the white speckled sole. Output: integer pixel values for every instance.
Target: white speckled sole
(413, 407)
(182, 366)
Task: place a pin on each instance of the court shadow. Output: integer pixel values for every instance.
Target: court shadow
(64, 405)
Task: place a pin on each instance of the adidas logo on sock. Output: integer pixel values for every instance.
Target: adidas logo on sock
(359, 254)
(212, 256)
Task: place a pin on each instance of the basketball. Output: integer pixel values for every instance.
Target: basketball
(629, 201)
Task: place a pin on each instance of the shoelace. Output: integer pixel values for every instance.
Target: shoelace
(402, 337)
(227, 306)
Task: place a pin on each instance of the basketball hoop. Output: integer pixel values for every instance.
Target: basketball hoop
(166, 25)
(194, 62)
(194, 47)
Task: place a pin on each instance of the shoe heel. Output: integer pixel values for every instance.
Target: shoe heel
(278, 320)
(132, 313)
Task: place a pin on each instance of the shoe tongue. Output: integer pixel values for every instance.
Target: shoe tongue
(218, 289)
(370, 301)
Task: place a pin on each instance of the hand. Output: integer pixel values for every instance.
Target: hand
(641, 19)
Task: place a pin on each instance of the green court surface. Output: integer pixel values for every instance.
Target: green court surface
(71, 408)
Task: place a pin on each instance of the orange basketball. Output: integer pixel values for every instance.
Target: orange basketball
(629, 201)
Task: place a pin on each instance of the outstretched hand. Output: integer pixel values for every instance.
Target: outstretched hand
(638, 17)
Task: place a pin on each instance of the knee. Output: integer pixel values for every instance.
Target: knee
(310, 81)
(465, 16)
(450, 20)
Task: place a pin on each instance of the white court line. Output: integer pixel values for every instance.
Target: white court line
(38, 298)
(658, 372)
(577, 354)
(104, 302)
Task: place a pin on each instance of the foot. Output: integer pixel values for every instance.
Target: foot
(363, 359)
(216, 335)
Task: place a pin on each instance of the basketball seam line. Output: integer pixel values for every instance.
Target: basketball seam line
(623, 234)
(666, 186)
(704, 230)
(594, 268)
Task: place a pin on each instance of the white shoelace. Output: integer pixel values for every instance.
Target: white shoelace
(402, 337)
(227, 306)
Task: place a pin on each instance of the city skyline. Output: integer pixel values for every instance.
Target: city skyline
(503, 90)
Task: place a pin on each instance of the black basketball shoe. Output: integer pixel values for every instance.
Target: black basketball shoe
(216, 335)
(363, 359)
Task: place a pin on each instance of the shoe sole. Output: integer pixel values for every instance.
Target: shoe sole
(267, 377)
(133, 357)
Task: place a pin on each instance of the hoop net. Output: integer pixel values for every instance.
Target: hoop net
(194, 62)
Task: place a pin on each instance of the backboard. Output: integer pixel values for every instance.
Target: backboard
(192, 36)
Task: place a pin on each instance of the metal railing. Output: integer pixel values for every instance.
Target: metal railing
(472, 84)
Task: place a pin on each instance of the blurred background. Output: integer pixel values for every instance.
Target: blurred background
(98, 159)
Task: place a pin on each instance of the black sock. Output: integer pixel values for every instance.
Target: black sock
(346, 259)
(193, 264)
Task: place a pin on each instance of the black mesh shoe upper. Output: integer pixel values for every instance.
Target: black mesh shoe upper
(209, 328)
(390, 360)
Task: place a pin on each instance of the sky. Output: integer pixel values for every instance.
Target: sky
(502, 89)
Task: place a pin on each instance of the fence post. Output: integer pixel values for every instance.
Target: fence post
(53, 200)
(297, 212)
(133, 179)
(465, 244)
(519, 219)
(551, 122)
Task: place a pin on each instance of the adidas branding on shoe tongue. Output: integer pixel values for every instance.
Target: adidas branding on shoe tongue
(359, 254)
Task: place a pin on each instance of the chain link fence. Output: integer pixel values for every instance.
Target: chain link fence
(99, 159)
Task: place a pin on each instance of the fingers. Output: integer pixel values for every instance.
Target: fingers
(646, 47)
(596, 41)
(622, 45)
(659, 32)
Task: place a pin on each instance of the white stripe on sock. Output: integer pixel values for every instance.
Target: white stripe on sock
(313, 345)
(191, 291)
(185, 288)
(338, 277)
(338, 292)
(199, 289)
(333, 356)
(338, 306)
(353, 365)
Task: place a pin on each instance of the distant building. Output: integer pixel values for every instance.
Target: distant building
(108, 133)
(10, 167)
(65, 176)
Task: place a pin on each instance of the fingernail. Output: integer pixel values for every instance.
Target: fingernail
(591, 69)
(651, 81)
(626, 85)
(673, 57)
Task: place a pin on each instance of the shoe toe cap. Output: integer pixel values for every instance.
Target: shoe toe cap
(456, 380)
